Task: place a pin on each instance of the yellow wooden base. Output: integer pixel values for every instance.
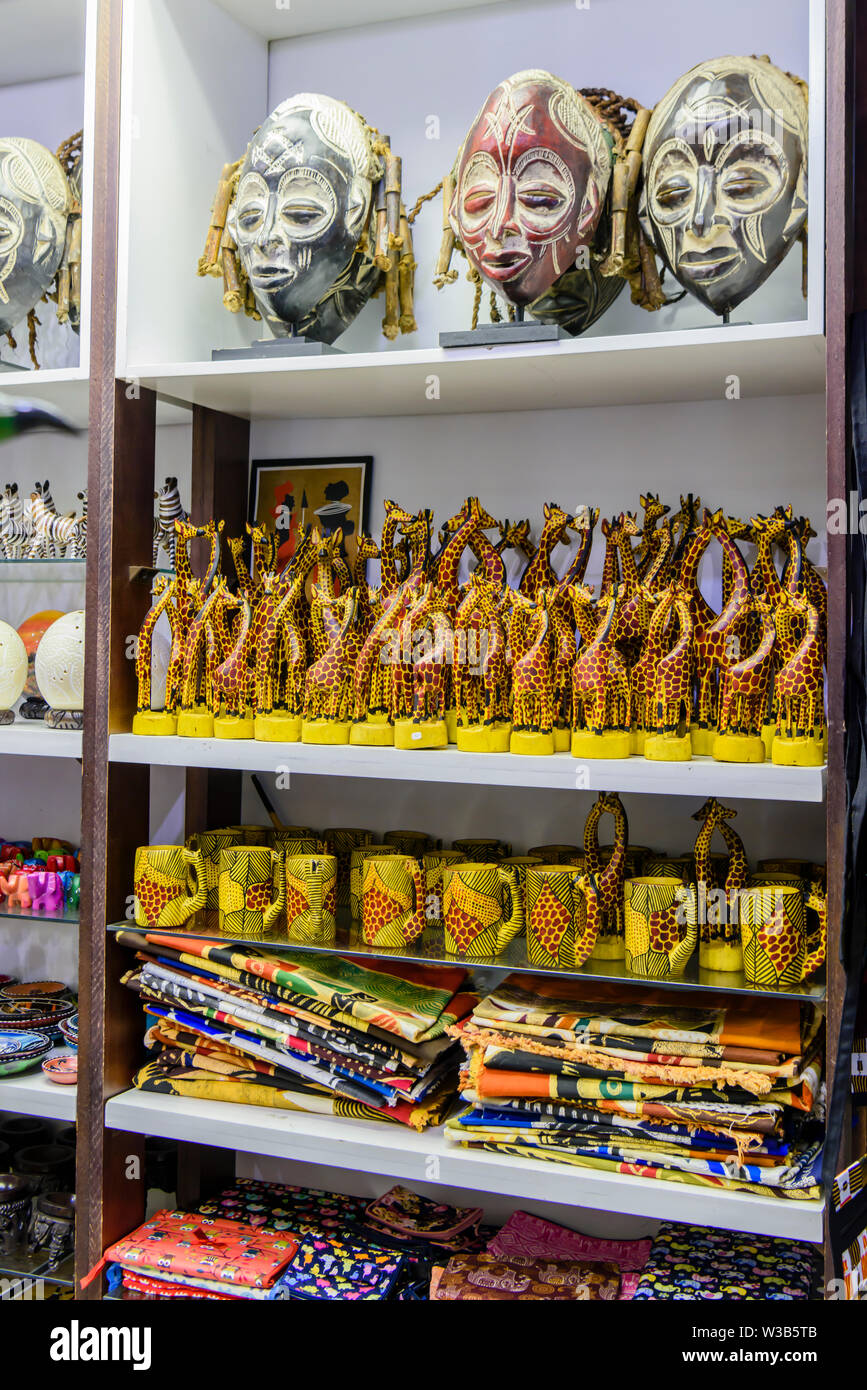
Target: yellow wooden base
(702, 741)
(195, 723)
(725, 957)
(430, 733)
(768, 731)
(531, 745)
(639, 738)
(738, 748)
(277, 728)
(660, 748)
(613, 743)
(234, 726)
(373, 732)
(484, 738)
(798, 752)
(609, 948)
(325, 731)
(562, 740)
(452, 725)
(155, 724)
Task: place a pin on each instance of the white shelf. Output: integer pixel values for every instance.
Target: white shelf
(32, 1094)
(32, 739)
(398, 1152)
(285, 21)
(65, 388)
(685, 365)
(701, 777)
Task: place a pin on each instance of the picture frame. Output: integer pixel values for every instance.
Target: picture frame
(333, 492)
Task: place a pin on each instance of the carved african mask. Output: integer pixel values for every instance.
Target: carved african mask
(531, 181)
(303, 200)
(35, 202)
(725, 167)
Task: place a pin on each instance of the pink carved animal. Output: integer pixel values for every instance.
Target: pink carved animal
(46, 892)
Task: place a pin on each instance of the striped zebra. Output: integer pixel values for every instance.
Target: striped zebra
(13, 529)
(170, 510)
(52, 534)
(41, 504)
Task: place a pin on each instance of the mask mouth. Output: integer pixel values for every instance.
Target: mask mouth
(272, 277)
(504, 264)
(706, 266)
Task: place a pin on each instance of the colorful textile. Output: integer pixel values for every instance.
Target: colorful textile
(533, 1237)
(184, 1246)
(404, 1215)
(691, 1262)
(485, 1277)
(331, 1269)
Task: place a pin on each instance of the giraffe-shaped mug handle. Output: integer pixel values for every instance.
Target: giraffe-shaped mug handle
(511, 923)
(170, 885)
(817, 899)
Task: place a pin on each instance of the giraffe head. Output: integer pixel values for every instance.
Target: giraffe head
(713, 810)
(653, 508)
(482, 518)
(515, 536)
(367, 549)
(396, 513)
(628, 524)
(556, 519)
(584, 519)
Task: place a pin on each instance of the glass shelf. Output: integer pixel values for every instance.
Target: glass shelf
(430, 950)
(68, 917)
(25, 1265)
(42, 571)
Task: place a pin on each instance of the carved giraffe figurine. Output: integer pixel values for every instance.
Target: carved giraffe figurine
(672, 689)
(426, 626)
(234, 680)
(516, 536)
(365, 551)
(610, 942)
(323, 622)
(562, 627)
(395, 517)
(459, 531)
(481, 676)
(643, 673)
(799, 688)
(539, 574)
(328, 689)
(281, 663)
(532, 684)
(634, 611)
(813, 584)
(744, 692)
(611, 563)
(718, 903)
(600, 681)
(191, 595)
(399, 685)
(717, 645)
(654, 511)
(148, 720)
(585, 524)
(196, 719)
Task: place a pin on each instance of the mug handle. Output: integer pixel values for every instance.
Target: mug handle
(818, 901)
(278, 904)
(195, 862)
(513, 923)
(680, 954)
(416, 924)
(585, 884)
(314, 894)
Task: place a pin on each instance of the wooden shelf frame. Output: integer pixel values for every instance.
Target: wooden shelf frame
(116, 792)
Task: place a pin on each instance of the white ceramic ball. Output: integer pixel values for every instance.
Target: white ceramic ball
(60, 663)
(13, 666)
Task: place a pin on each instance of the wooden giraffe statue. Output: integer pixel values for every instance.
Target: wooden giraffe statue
(196, 719)
(515, 536)
(365, 551)
(611, 563)
(718, 903)
(717, 645)
(744, 693)
(427, 633)
(459, 531)
(481, 675)
(323, 622)
(633, 610)
(281, 663)
(395, 517)
(147, 720)
(234, 680)
(643, 674)
(328, 690)
(562, 627)
(672, 693)
(800, 572)
(799, 689)
(610, 942)
(539, 574)
(600, 681)
(532, 682)
(654, 511)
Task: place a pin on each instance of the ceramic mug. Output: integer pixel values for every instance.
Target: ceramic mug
(311, 898)
(767, 880)
(483, 851)
(356, 873)
(252, 891)
(661, 922)
(482, 909)
(558, 854)
(285, 843)
(392, 901)
(210, 844)
(170, 885)
(562, 916)
(248, 834)
(412, 842)
(777, 951)
(433, 864)
(341, 842)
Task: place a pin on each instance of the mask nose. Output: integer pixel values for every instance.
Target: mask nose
(705, 198)
(504, 220)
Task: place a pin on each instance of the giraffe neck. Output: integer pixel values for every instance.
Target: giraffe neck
(387, 561)
(449, 561)
(609, 566)
(766, 567)
(627, 560)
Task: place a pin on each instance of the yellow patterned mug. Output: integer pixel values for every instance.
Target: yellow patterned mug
(211, 844)
(356, 872)
(286, 843)
(777, 951)
(311, 898)
(562, 916)
(482, 909)
(661, 921)
(392, 901)
(252, 891)
(483, 851)
(170, 885)
(434, 863)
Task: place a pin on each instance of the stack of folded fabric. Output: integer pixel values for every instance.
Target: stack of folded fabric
(323, 1034)
(718, 1093)
(691, 1262)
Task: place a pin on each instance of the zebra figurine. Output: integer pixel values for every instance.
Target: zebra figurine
(13, 531)
(41, 504)
(170, 510)
(79, 545)
(52, 534)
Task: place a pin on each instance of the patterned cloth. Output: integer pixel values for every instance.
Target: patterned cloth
(690, 1262)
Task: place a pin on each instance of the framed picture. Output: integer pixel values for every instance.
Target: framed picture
(330, 493)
